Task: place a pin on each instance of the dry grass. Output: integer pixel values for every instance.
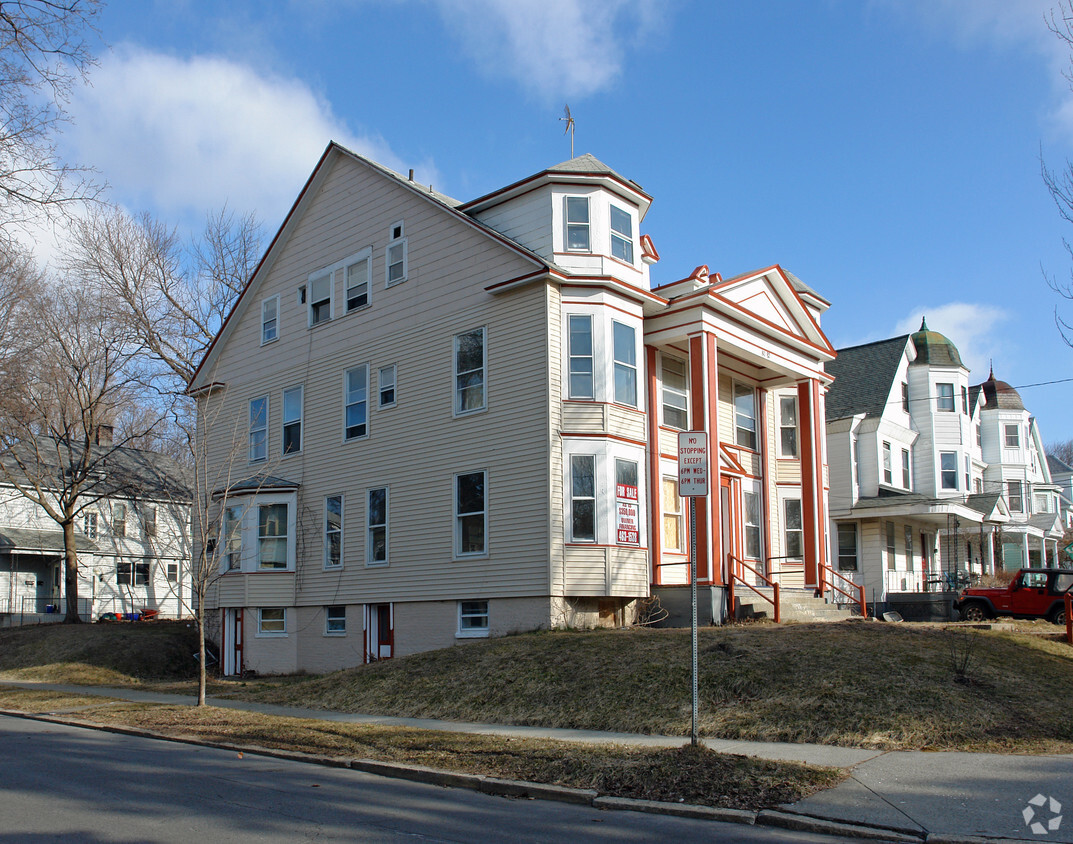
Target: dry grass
(853, 684)
(693, 775)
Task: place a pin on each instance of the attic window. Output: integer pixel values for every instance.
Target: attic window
(577, 223)
(621, 235)
(396, 256)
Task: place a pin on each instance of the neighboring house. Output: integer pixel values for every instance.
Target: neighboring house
(1016, 469)
(460, 420)
(918, 492)
(132, 540)
(1062, 476)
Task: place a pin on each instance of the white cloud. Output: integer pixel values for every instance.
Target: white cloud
(971, 327)
(552, 48)
(182, 136)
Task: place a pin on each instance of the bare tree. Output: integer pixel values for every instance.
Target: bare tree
(1060, 183)
(44, 49)
(174, 298)
(1063, 450)
(58, 406)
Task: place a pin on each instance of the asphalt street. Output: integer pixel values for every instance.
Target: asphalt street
(70, 784)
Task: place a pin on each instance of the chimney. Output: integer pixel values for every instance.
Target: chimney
(103, 435)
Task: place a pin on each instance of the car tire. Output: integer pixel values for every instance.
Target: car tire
(974, 611)
(1058, 615)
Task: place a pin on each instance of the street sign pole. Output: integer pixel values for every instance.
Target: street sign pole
(693, 484)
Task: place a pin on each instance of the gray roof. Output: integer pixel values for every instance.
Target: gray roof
(51, 541)
(863, 377)
(591, 165)
(801, 287)
(257, 483)
(1057, 466)
(933, 348)
(983, 502)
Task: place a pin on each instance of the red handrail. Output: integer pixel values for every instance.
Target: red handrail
(859, 598)
(733, 575)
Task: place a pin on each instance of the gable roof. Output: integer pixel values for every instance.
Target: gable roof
(1057, 466)
(46, 541)
(863, 377)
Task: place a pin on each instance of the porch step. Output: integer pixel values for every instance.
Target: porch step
(799, 605)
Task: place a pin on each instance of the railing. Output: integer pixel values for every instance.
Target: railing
(829, 574)
(736, 573)
(27, 609)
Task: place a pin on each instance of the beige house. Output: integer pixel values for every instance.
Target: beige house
(460, 420)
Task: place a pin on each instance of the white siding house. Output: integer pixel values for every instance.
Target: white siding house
(462, 420)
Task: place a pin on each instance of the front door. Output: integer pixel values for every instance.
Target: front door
(730, 523)
(232, 641)
(379, 632)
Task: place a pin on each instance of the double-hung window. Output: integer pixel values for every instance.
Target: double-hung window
(745, 416)
(272, 621)
(396, 256)
(320, 299)
(948, 469)
(335, 621)
(945, 395)
(469, 371)
(625, 364)
(577, 224)
(892, 547)
(793, 528)
(908, 548)
(376, 527)
(965, 400)
(356, 422)
(272, 536)
(675, 395)
(1013, 436)
(621, 235)
(269, 319)
(905, 399)
(581, 360)
(258, 429)
(788, 426)
(751, 500)
(119, 519)
(292, 420)
(357, 284)
(847, 546)
(132, 573)
(888, 469)
(89, 525)
(583, 498)
(905, 470)
(386, 383)
(149, 520)
(1014, 497)
(472, 618)
(233, 537)
(471, 514)
(333, 531)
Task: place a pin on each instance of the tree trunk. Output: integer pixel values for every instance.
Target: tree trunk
(70, 574)
(201, 672)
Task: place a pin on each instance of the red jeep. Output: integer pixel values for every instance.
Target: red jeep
(1033, 593)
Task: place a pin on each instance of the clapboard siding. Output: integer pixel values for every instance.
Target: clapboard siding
(553, 443)
(526, 219)
(586, 571)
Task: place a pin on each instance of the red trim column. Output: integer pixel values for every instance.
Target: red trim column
(704, 414)
(655, 504)
(812, 509)
(765, 476)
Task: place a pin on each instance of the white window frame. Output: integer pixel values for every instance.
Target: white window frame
(366, 256)
(628, 366)
(258, 451)
(119, 519)
(944, 401)
(337, 630)
(888, 463)
(890, 545)
(622, 239)
(673, 507)
(477, 609)
(292, 420)
(231, 538)
(243, 553)
(574, 498)
(579, 358)
(457, 391)
(371, 527)
(396, 240)
(675, 398)
(624, 499)
(789, 504)
(357, 398)
(944, 470)
(907, 537)
(266, 320)
(907, 469)
(739, 390)
(89, 525)
(842, 554)
(752, 529)
(287, 540)
(459, 516)
(1015, 491)
(331, 531)
(315, 279)
(1016, 430)
(905, 396)
(383, 382)
(788, 427)
(262, 632)
(171, 572)
(149, 526)
(580, 225)
(132, 572)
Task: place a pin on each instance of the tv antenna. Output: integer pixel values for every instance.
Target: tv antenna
(569, 121)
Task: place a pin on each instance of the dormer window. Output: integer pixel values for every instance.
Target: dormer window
(577, 224)
(621, 235)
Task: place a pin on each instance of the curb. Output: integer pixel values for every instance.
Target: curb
(534, 791)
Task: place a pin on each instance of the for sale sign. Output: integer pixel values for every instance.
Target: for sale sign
(627, 523)
(692, 464)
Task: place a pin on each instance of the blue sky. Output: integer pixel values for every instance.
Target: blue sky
(885, 151)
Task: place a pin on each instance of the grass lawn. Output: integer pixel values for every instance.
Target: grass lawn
(685, 774)
(865, 684)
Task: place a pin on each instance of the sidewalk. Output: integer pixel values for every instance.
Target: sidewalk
(945, 796)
